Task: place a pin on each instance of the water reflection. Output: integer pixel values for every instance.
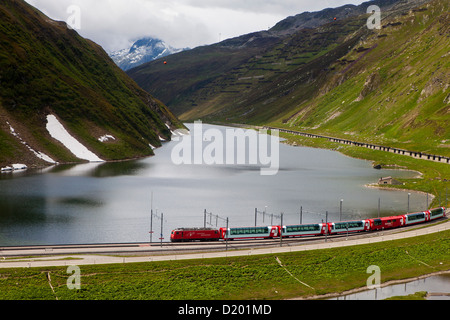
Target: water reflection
(438, 286)
(111, 202)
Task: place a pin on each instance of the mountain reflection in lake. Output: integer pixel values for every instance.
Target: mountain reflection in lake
(111, 202)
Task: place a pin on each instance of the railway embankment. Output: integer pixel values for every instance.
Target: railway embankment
(237, 275)
(414, 154)
(39, 256)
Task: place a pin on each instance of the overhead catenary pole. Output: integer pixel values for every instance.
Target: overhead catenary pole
(379, 206)
(326, 226)
(151, 218)
(151, 226)
(226, 237)
(162, 220)
(204, 219)
(409, 195)
(281, 231)
(301, 214)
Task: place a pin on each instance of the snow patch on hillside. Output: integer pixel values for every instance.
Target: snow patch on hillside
(38, 154)
(58, 132)
(106, 138)
(14, 167)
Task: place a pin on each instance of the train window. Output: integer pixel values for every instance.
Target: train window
(302, 228)
(345, 225)
(238, 231)
(416, 216)
(377, 222)
(436, 212)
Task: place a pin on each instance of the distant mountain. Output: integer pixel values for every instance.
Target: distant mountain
(142, 51)
(55, 85)
(215, 66)
(318, 18)
(333, 77)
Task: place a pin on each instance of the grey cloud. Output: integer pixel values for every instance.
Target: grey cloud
(181, 23)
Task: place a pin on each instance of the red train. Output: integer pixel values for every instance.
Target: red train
(318, 229)
(195, 234)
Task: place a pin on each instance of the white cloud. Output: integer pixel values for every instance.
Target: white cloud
(181, 23)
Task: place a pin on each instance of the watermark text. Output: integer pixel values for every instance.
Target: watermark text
(374, 281)
(74, 281)
(232, 147)
(374, 21)
(74, 19)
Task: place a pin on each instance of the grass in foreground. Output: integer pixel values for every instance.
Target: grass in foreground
(253, 277)
(421, 295)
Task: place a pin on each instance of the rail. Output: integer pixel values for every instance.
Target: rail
(414, 154)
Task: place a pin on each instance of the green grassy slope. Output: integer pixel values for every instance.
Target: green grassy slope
(387, 86)
(391, 88)
(45, 67)
(203, 81)
(237, 278)
(247, 91)
(396, 92)
(184, 81)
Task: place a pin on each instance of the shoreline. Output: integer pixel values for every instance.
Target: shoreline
(420, 175)
(413, 154)
(381, 187)
(53, 165)
(362, 289)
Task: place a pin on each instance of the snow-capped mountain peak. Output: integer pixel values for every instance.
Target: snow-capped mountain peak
(142, 51)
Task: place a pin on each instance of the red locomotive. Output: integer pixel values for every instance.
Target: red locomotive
(387, 223)
(194, 234)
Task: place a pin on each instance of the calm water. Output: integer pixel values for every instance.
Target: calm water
(433, 284)
(111, 202)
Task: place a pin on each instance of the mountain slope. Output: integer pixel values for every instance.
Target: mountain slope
(316, 19)
(392, 88)
(203, 77)
(387, 86)
(142, 51)
(47, 68)
(189, 71)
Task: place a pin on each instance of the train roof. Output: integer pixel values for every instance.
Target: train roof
(304, 224)
(196, 229)
(346, 221)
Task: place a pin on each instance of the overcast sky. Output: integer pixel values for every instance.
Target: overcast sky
(180, 23)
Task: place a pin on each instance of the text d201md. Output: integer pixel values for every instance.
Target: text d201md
(249, 309)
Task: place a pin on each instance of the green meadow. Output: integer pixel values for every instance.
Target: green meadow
(248, 277)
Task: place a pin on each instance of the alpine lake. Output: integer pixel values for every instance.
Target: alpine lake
(112, 202)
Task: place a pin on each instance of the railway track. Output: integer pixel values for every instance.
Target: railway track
(167, 248)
